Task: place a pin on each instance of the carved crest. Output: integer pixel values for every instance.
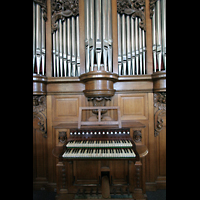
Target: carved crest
(63, 8)
(135, 8)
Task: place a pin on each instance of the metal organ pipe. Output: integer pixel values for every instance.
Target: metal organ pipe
(39, 46)
(98, 34)
(159, 35)
(131, 45)
(66, 49)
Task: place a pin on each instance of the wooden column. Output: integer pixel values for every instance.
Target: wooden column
(149, 56)
(82, 36)
(48, 41)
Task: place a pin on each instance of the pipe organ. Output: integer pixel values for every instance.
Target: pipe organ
(96, 64)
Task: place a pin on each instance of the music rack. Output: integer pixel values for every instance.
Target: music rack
(99, 122)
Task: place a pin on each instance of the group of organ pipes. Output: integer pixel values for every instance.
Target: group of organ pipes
(98, 41)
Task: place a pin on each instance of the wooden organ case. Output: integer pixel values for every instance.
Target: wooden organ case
(99, 54)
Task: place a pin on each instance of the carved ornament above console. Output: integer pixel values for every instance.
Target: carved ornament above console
(61, 9)
(135, 8)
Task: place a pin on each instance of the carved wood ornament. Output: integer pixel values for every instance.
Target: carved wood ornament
(135, 8)
(160, 105)
(39, 111)
(61, 9)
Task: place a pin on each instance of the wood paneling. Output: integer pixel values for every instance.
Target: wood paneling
(66, 108)
(39, 156)
(133, 106)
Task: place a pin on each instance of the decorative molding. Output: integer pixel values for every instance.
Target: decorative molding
(39, 111)
(137, 136)
(160, 111)
(135, 8)
(61, 9)
(43, 5)
(151, 7)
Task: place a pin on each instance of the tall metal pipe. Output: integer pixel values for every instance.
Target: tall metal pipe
(65, 47)
(136, 46)
(133, 45)
(154, 40)
(105, 33)
(140, 46)
(109, 36)
(73, 46)
(57, 52)
(128, 39)
(38, 38)
(60, 47)
(98, 32)
(87, 35)
(164, 32)
(119, 43)
(69, 46)
(124, 43)
(78, 45)
(144, 51)
(43, 46)
(54, 54)
(33, 35)
(91, 40)
(158, 26)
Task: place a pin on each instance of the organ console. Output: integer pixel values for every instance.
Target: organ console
(99, 162)
(100, 144)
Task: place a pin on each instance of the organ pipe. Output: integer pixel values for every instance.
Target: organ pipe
(109, 24)
(159, 35)
(131, 45)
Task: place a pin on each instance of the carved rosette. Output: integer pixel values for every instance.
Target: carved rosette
(39, 111)
(137, 136)
(135, 8)
(160, 111)
(61, 9)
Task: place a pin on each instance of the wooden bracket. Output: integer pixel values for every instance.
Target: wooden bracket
(99, 122)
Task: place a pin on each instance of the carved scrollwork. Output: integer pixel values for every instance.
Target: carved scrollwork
(135, 8)
(63, 8)
(39, 111)
(160, 111)
(43, 5)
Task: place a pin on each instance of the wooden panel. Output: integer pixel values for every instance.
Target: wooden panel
(86, 172)
(119, 171)
(39, 154)
(65, 108)
(133, 106)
